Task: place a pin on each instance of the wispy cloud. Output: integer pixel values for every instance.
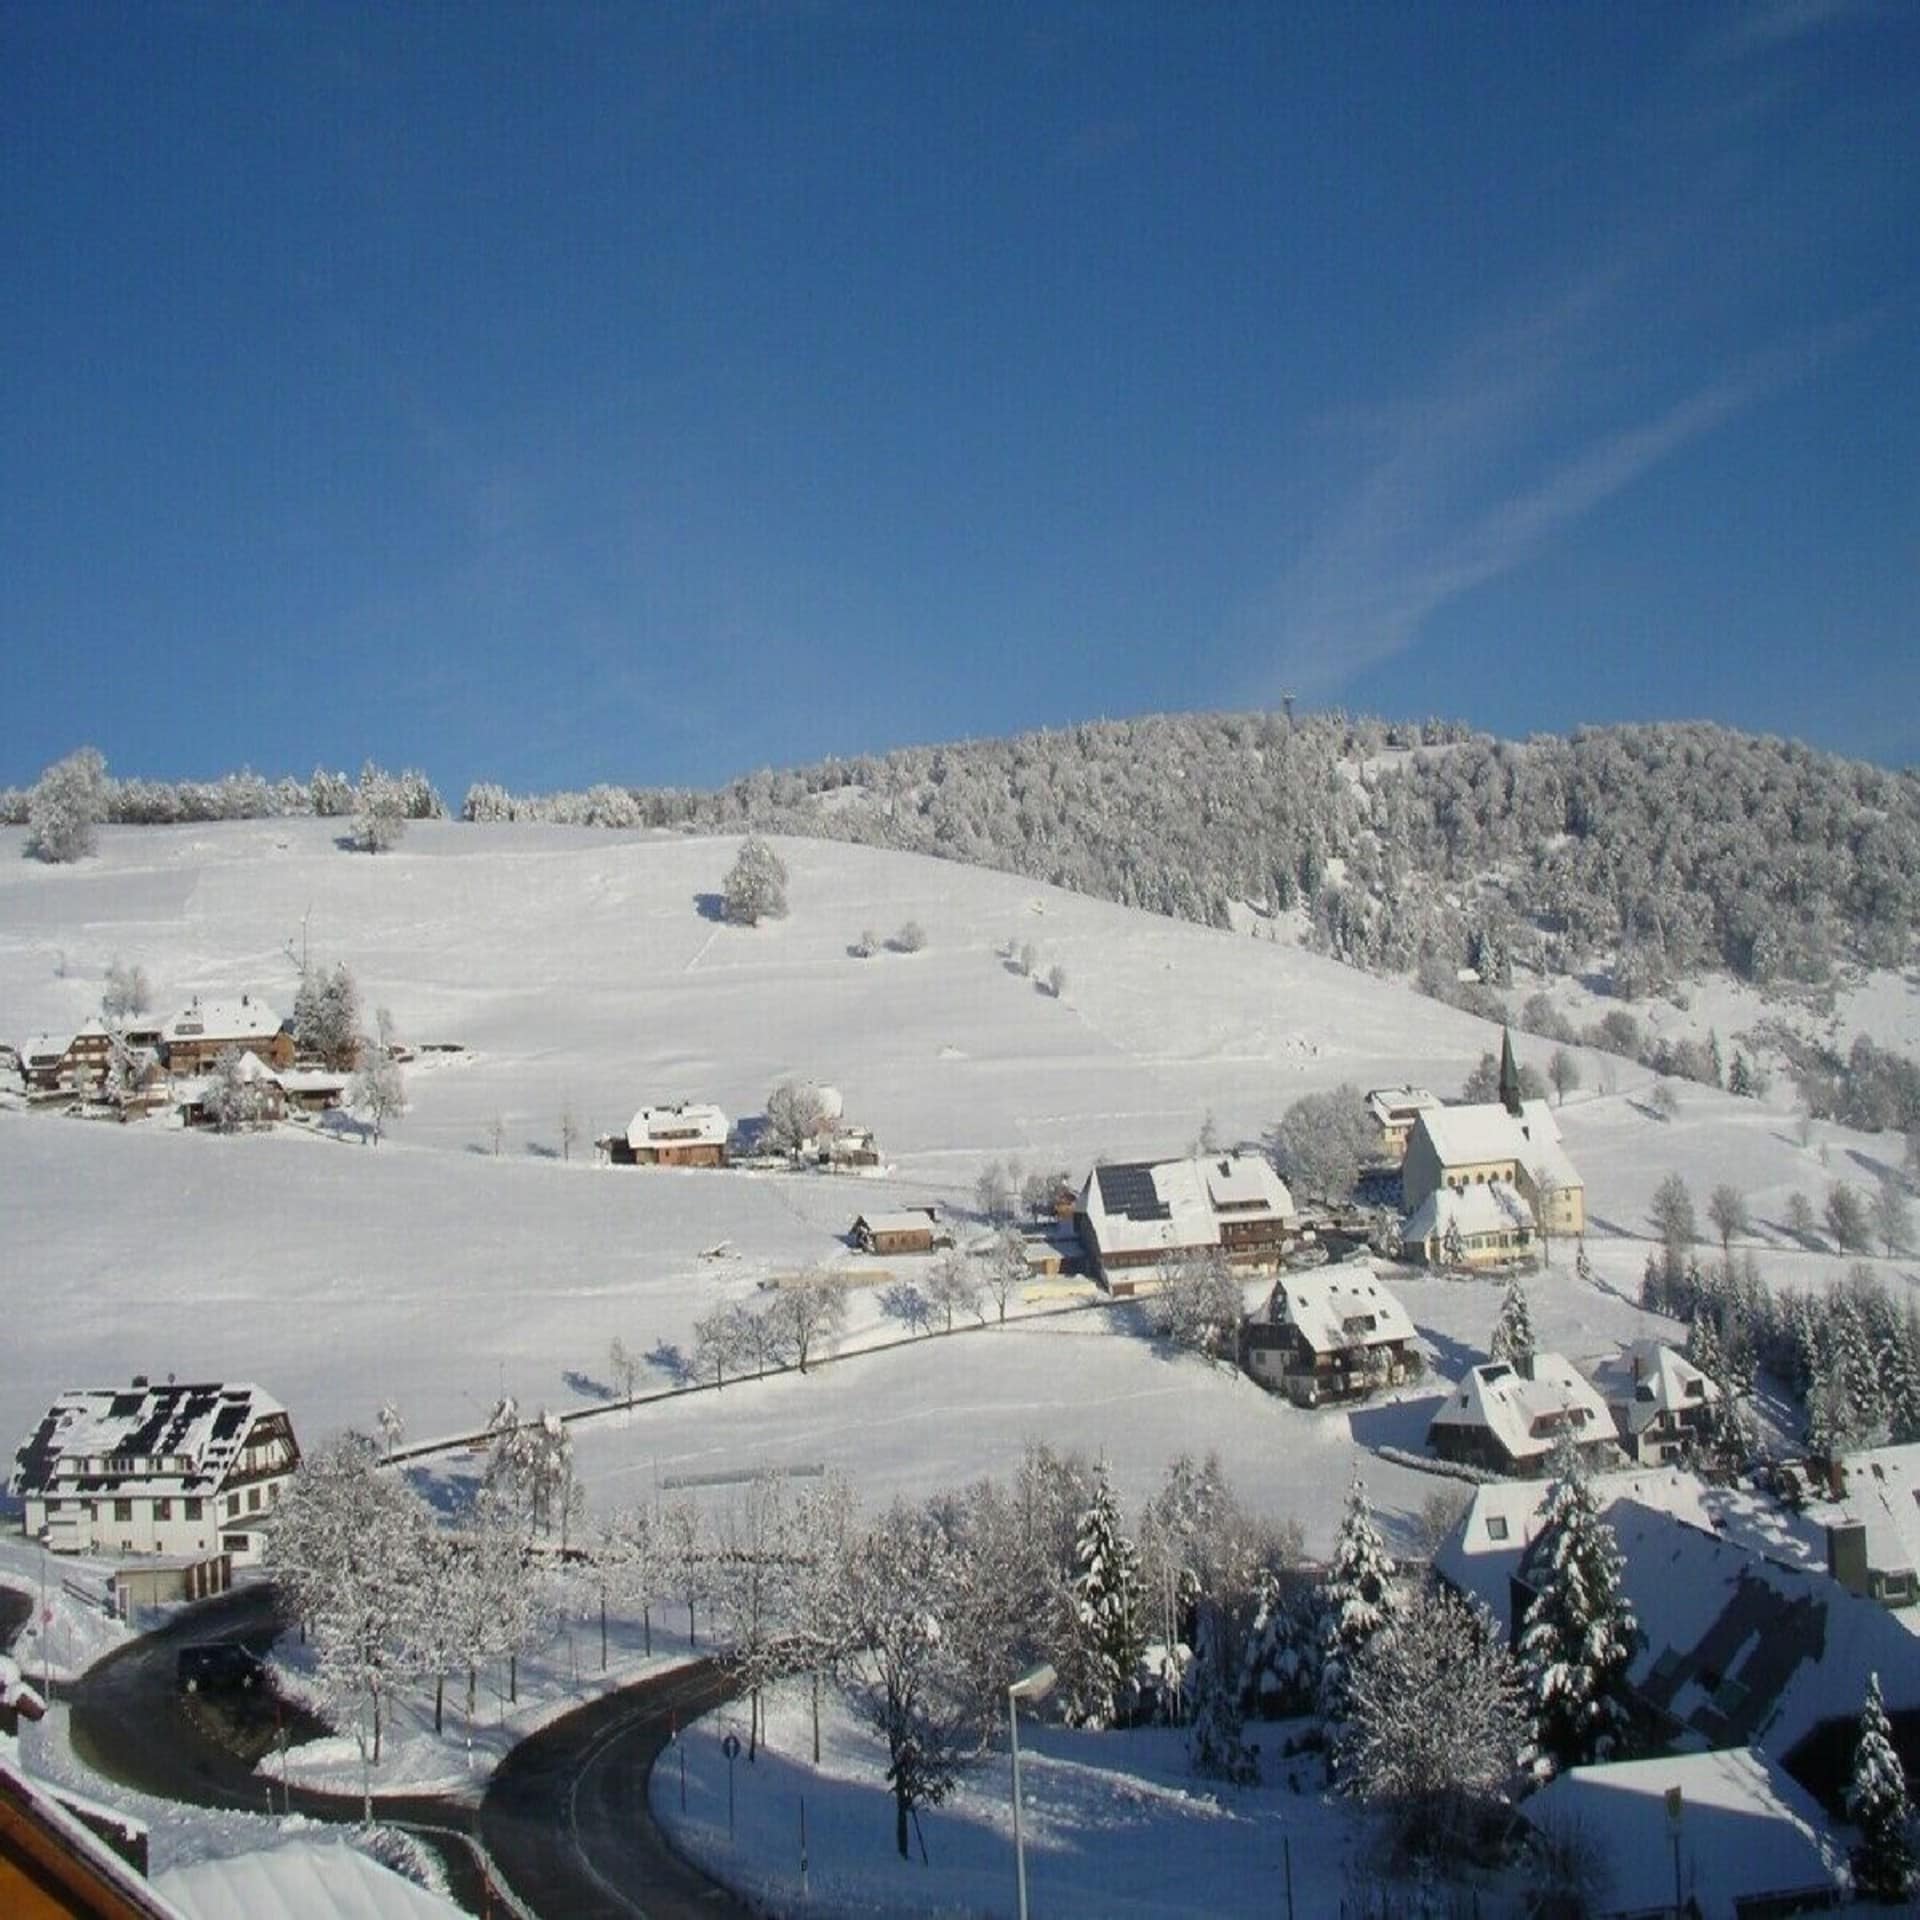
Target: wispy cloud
(1546, 413)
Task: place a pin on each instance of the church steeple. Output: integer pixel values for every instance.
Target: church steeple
(1509, 1075)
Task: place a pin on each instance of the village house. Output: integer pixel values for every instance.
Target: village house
(44, 1064)
(312, 1089)
(1869, 1514)
(1334, 1333)
(1509, 1422)
(1660, 1401)
(1393, 1110)
(193, 1040)
(849, 1150)
(178, 1470)
(1737, 1649)
(687, 1134)
(1507, 1142)
(90, 1056)
(1136, 1216)
(912, 1230)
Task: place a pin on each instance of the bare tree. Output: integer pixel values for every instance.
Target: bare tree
(808, 1313)
(1564, 1071)
(569, 1131)
(1728, 1213)
(1004, 1271)
(953, 1286)
(378, 1090)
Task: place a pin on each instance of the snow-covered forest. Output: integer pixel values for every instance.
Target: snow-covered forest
(1670, 848)
(1654, 851)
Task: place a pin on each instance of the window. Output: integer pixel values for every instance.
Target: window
(235, 1542)
(1496, 1526)
(253, 1499)
(190, 1509)
(163, 1509)
(123, 1509)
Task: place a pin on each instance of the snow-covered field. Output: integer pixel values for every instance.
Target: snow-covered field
(585, 970)
(1113, 1824)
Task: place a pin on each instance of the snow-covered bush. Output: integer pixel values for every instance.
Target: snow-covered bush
(66, 807)
(755, 888)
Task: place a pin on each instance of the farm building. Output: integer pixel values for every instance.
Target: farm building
(193, 1040)
(912, 1230)
(182, 1470)
(687, 1134)
(1334, 1333)
(1135, 1215)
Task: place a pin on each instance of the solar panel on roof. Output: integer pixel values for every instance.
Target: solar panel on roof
(1128, 1189)
(229, 1420)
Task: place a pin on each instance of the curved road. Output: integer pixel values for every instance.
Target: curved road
(565, 1817)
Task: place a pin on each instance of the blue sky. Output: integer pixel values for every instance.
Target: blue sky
(553, 394)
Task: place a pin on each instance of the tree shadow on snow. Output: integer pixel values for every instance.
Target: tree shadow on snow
(585, 1385)
(710, 906)
(671, 1361)
(541, 1151)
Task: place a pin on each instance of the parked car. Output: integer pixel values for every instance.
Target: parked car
(220, 1667)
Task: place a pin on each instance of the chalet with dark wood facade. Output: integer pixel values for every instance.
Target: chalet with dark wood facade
(1334, 1333)
(194, 1039)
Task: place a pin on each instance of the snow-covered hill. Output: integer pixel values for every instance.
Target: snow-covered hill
(585, 969)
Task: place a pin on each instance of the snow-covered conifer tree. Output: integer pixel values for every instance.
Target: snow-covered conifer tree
(1106, 1607)
(1580, 1633)
(1513, 1339)
(1877, 1803)
(1281, 1672)
(1359, 1601)
(1216, 1749)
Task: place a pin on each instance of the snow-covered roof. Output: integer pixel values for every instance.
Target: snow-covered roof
(1504, 1518)
(45, 1049)
(251, 1069)
(1158, 1206)
(1746, 1828)
(316, 1879)
(687, 1123)
(1739, 1649)
(1882, 1493)
(1400, 1105)
(235, 1020)
(1339, 1306)
(908, 1220)
(202, 1426)
(311, 1080)
(1648, 1378)
(1492, 1206)
(1527, 1416)
(1474, 1135)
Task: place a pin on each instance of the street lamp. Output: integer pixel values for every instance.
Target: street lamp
(1030, 1687)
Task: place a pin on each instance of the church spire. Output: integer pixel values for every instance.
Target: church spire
(1509, 1075)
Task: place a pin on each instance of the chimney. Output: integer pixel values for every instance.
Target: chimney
(1847, 1554)
(140, 1380)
